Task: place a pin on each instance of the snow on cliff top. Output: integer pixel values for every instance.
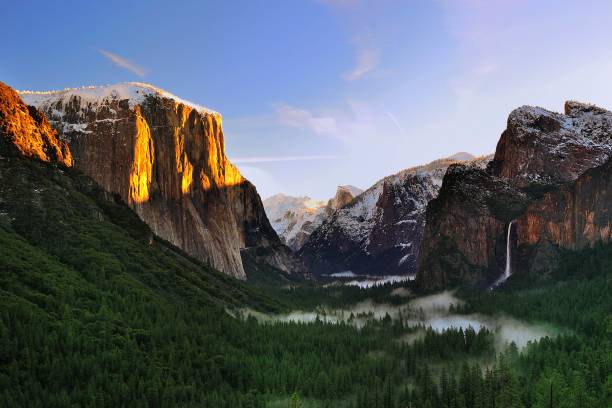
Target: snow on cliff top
(134, 92)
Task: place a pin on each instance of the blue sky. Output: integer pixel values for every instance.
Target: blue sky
(317, 93)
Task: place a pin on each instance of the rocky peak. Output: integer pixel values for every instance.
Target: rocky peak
(461, 156)
(575, 108)
(344, 195)
(27, 130)
(543, 147)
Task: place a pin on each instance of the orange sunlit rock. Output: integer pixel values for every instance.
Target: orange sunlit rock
(29, 130)
(142, 165)
(186, 175)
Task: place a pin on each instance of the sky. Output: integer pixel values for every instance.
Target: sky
(320, 93)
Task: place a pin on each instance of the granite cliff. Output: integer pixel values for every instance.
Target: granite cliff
(539, 177)
(165, 157)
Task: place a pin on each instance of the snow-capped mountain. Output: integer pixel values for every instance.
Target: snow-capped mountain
(380, 231)
(295, 218)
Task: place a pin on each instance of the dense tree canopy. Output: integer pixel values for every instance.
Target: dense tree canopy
(93, 313)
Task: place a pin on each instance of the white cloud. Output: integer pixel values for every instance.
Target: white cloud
(367, 61)
(342, 4)
(270, 159)
(123, 62)
(291, 116)
(396, 123)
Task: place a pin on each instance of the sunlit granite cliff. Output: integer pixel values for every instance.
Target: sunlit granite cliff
(165, 157)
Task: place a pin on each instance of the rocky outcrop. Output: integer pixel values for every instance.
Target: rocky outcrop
(27, 130)
(380, 231)
(531, 179)
(540, 147)
(295, 218)
(344, 196)
(165, 157)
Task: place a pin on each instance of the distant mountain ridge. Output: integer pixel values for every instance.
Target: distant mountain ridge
(294, 218)
(380, 230)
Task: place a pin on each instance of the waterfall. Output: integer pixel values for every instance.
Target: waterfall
(508, 270)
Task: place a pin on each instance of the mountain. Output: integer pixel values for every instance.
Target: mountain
(61, 232)
(540, 181)
(295, 218)
(379, 232)
(165, 157)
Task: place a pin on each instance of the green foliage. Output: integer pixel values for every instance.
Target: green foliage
(95, 312)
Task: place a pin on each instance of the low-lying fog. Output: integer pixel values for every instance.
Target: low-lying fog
(428, 311)
(349, 278)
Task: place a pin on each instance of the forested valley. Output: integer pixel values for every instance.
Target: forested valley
(95, 313)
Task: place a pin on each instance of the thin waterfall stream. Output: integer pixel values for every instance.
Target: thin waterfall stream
(508, 269)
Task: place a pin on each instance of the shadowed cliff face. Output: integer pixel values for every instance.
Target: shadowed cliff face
(29, 131)
(536, 177)
(464, 237)
(166, 159)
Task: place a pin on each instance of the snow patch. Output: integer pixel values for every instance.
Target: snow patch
(134, 92)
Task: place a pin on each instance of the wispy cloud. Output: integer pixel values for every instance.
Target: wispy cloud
(367, 61)
(342, 4)
(123, 62)
(396, 123)
(271, 159)
(291, 116)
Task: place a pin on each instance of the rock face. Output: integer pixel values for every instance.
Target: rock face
(574, 216)
(531, 179)
(165, 157)
(540, 147)
(26, 129)
(464, 235)
(295, 218)
(380, 231)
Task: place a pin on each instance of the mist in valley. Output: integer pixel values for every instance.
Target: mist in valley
(435, 311)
